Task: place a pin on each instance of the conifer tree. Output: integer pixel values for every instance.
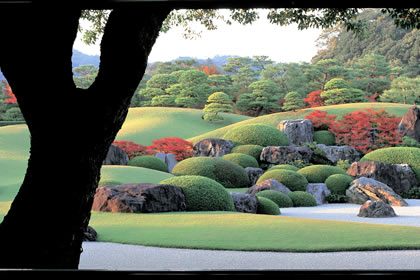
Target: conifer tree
(217, 102)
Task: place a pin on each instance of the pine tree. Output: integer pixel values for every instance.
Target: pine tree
(338, 91)
(292, 102)
(218, 102)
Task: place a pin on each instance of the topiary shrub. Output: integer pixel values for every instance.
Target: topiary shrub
(109, 183)
(251, 150)
(291, 179)
(284, 166)
(281, 199)
(324, 137)
(267, 206)
(226, 172)
(150, 162)
(257, 134)
(242, 159)
(202, 193)
(338, 183)
(397, 155)
(318, 173)
(302, 199)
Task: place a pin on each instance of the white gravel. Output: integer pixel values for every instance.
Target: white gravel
(113, 256)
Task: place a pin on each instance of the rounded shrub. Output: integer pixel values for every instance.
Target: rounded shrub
(338, 183)
(202, 193)
(251, 150)
(267, 206)
(302, 199)
(318, 173)
(242, 159)
(109, 183)
(284, 166)
(281, 199)
(223, 171)
(397, 155)
(324, 137)
(291, 179)
(257, 134)
(150, 162)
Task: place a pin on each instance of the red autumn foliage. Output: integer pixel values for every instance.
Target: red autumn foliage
(173, 145)
(8, 92)
(132, 149)
(314, 99)
(320, 120)
(208, 70)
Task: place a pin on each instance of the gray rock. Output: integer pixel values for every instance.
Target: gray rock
(410, 123)
(399, 177)
(115, 156)
(298, 131)
(270, 184)
(139, 198)
(169, 159)
(90, 234)
(376, 209)
(364, 189)
(245, 203)
(285, 154)
(319, 191)
(336, 153)
(212, 147)
(254, 174)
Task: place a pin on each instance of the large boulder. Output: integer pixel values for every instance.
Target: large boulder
(319, 191)
(376, 209)
(297, 131)
(212, 147)
(285, 154)
(90, 234)
(364, 189)
(336, 153)
(253, 174)
(270, 184)
(410, 123)
(399, 177)
(139, 198)
(245, 203)
(169, 159)
(116, 156)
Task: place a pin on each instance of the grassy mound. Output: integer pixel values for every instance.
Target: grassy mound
(338, 183)
(251, 150)
(319, 173)
(302, 199)
(281, 199)
(202, 193)
(324, 137)
(227, 173)
(150, 162)
(284, 166)
(291, 179)
(267, 206)
(257, 134)
(242, 159)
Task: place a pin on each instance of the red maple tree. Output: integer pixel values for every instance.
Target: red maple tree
(314, 99)
(173, 145)
(208, 70)
(320, 120)
(133, 149)
(8, 92)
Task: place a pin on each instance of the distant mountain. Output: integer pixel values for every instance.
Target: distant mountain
(217, 60)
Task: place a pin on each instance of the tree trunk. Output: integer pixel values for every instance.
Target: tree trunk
(45, 224)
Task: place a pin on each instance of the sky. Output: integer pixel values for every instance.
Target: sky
(280, 44)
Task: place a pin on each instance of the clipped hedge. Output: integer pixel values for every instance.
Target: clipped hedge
(318, 173)
(338, 183)
(223, 171)
(150, 162)
(256, 134)
(281, 199)
(267, 207)
(202, 193)
(397, 155)
(242, 159)
(291, 179)
(284, 166)
(324, 137)
(251, 150)
(302, 199)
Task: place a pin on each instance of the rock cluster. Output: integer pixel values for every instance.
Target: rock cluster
(410, 123)
(115, 156)
(297, 131)
(212, 147)
(376, 209)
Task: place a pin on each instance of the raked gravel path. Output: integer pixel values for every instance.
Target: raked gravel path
(113, 256)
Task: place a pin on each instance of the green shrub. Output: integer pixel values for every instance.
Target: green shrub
(336, 198)
(291, 179)
(302, 199)
(223, 171)
(397, 155)
(267, 206)
(318, 173)
(109, 183)
(343, 164)
(324, 137)
(150, 162)
(410, 142)
(257, 134)
(251, 150)
(242, 159)
(413, 193)
(284, 166)
(338, 183)
(281, 199)
(202, 193)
